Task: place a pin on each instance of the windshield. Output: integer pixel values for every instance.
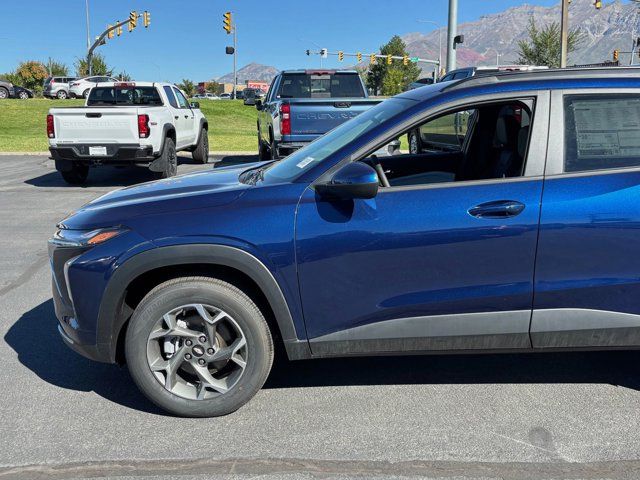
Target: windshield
(124, 96)
(335, 85)
(306, 158)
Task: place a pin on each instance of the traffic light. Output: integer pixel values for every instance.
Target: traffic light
(616, 55)
(372, 59)
(119, 29)
(598, 4)
(405, 60)
(146, 19)
(111, 33)
(133, 20)
(340, 55)
(389, 59)
(308, 52)
(226, 23)
(359, 57)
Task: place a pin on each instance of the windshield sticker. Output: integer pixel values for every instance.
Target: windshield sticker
(305, 161)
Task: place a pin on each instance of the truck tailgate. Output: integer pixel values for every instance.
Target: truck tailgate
(318, 116)
(96, 125)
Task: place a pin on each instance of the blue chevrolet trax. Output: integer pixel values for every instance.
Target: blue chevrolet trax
(510, 224)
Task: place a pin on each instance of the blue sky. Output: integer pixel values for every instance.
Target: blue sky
(186, 39)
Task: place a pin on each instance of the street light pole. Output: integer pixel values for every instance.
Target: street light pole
(86, 5)
(497, 56)
(452, 28)
(564, 29)
(235, 63)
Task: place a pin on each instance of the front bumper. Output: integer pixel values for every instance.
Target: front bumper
(117, 154)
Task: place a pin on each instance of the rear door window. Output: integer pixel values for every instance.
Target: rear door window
(601, 132)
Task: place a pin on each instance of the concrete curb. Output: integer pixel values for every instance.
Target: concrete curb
(39, 154)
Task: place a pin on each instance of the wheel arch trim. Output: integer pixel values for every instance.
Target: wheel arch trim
(111, 318)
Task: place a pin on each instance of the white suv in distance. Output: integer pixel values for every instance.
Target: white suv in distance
(80, 88)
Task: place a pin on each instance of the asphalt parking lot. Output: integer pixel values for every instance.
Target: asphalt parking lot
(495, 416)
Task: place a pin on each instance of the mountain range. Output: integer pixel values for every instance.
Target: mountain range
(614, 26)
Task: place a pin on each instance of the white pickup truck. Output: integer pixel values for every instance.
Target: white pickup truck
(127, 123)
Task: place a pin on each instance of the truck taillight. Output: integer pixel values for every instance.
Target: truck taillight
(285, 119)
(143, 126)
(51, 132)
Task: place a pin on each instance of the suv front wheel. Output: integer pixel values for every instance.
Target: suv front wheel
(198, 347)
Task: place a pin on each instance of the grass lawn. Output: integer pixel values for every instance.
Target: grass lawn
(232, 126)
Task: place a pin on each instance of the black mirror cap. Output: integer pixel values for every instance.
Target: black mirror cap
(195, 105)
(354, 180)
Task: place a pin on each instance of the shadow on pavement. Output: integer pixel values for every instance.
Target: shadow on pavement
(106, 176)
(35, 339)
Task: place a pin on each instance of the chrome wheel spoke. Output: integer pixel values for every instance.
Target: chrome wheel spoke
(184, 343)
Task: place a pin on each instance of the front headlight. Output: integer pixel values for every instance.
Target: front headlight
(85, 238)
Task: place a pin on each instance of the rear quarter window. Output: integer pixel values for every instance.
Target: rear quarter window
(601, 132)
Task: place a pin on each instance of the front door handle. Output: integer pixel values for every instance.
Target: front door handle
(497, 209)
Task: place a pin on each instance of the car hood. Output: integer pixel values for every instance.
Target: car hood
(206, 189)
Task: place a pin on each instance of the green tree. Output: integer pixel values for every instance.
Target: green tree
(188, 87)
(393, 82)
(543, 45)
(214, 87)
(123, 76)
(56, 68)
(98, 66)
(378, 72)
(31, 75)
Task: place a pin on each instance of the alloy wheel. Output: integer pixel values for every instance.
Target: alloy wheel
(197, 351)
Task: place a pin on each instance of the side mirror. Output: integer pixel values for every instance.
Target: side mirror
(354, 180)
(195, 105)
(258, 104)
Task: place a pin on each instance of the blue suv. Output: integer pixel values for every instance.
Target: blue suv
(512, 225)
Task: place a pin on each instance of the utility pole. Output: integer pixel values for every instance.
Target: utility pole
(564, 35)
(452, 32)
(86, 4)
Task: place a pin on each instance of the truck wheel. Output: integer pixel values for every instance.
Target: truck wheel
(76, 175)
(198, 347)
(4, 93)
(273, 150)
(263, 150)
(170, 160)
(62, 95)
(201, 153)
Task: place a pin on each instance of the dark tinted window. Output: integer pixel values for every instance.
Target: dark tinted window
(601, 131)
(124, 96)
(304, 85)
(171, 97)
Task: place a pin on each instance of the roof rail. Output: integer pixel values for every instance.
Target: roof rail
(550, 74)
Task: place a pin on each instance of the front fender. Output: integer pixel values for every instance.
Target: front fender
(111, 321)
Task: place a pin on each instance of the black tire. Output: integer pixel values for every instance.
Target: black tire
(85, 94)
(415, 145)
(199, 290)
(77, 175)
(201, 152)
(263, 150)
(170, 160)
(273, 150)
(61, 95)
(4, 93)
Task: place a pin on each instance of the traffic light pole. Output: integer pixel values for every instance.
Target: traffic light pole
(235, 60)
(101, 41)
(452, 32)
(378, 55)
